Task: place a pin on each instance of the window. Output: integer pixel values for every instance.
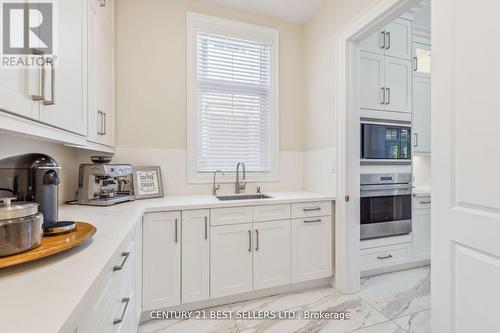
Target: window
(232, 98)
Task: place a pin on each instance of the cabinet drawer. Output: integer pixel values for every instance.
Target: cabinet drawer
(422, 202)
(307, 209)
(384, 256)
(271, 213)
(234, 215)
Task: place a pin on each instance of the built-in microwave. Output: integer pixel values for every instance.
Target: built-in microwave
(385, 142)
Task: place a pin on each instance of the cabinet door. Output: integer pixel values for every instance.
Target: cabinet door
(100, 80)
(161, 260)
(271, 261)
(398, 74)
(421, 59)
(373, 43)
(63, 106)
(195, 255)
(371, 81)
(421, 233)
(311, 248)
(15, 95)
(421, 114)
(230, 259)
(398, 41)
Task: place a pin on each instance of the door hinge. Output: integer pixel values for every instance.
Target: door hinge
(347, 198)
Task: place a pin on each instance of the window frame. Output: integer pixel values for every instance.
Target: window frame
(198, 22)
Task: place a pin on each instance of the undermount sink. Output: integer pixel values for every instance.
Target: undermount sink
(242, 197)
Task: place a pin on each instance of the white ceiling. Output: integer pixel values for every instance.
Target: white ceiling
(288, 10)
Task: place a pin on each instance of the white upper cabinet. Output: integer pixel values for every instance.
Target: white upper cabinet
(101, 92)
(421, 114)
(16, 87)
(398, 39)
(397, 85)
(422, 59)
(372, 81)
(271, 261)
(195, 255)
(63, 106)
(394, 40)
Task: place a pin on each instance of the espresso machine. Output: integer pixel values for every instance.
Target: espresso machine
(102, 184)
(35, 178)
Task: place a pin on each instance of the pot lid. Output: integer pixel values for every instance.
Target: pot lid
(14, 210)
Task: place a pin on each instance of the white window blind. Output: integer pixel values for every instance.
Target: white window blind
(234, 103)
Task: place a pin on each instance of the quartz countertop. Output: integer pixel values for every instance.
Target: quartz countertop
(41, 296)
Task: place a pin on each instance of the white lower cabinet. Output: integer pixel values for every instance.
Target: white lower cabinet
(311, 248)
(271, 259)
(421, 225)
(230, 259)
(113, 304)
(161, 260)
(195, 255)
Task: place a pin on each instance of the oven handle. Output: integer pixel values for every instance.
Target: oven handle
(386, 187)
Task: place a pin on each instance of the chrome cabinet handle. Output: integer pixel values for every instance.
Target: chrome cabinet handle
(382, 39)
(312, 221)
(256, 240)
(99, 120)
(383, 96)
(52, 100)
(175, 236)
(206, 227)
(120, 267)
(105, 123)
(385, 257)
(125, 300)
(388, 101)
(416, 140)
(425, 202)
(103, 3)
(311, 209)
(40, 97)
(416, 64)
(388, 45)
(249, 240)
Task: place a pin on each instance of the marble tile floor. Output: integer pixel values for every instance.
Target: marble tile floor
(396, 302)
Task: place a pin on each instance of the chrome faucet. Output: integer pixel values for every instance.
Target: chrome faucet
(216, 188)
(238, 187)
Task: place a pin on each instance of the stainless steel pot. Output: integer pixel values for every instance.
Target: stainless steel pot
(20, 226)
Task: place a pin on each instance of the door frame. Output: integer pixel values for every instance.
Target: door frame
(347, 230)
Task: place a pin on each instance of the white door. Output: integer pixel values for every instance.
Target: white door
(465, 195)
(311, 248)
(64, 106)
(161, 260)
(421, 127)
(398, 39)
(371, 81)
(195, 255)
(398, 75)
(271, 261)
(230, 259)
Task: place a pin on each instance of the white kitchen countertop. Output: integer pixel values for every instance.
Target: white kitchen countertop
(41, 296)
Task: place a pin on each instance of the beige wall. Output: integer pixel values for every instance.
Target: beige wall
(319, 39)
(151, 72)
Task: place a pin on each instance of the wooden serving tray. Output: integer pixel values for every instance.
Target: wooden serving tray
(52, 245)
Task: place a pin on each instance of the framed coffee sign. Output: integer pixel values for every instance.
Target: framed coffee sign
(147, 182)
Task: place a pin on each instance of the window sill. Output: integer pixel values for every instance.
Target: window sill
(230, 177)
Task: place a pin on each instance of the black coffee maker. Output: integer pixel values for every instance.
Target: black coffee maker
(35, 178)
